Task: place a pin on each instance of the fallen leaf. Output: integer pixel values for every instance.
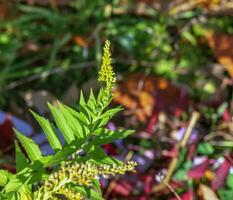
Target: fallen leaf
(222, 45)
(199, 171)
(206, 193)
(221, 174)
(147, 94)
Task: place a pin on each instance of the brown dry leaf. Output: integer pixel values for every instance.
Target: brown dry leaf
(83, 41)
(5, 10)
(79, 40)
(176, 6)
(217, 6)
(138, 92)
(209, 4)
(206, 193)
(222, 45)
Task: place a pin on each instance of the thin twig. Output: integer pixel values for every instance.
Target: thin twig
(173, 191)
(172, 166)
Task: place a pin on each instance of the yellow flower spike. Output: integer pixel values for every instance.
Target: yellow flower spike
(81, 174)
(106, 73)
(70, 194)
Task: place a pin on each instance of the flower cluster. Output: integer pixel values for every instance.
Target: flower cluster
(106, 73)
(81, 174)
(67, 193)
(106, 170)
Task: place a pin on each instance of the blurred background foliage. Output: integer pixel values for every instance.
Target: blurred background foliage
(171, 58)
(54, 44)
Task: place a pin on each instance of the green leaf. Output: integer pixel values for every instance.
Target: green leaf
(230, 181)
(205, 148)
(189, 37)
(12, 196)
(13, 185)
(80, 116)
(4, 177)
(222, 108)
(105, 136)
(81, 99)
(21, 160)
(225, 194)
(111, 112)
(62, 124)
(105, 117)
(63, 154)
(73, 122)
(88, 112)
(25, 193)
(90, 193)
(183, 170)
(31, 148)
(97, 186)
(181, 174)
(49, 131)
(98, 156)
(92, 101)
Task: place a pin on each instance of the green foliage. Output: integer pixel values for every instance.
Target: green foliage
(78, 163)
(205, 148)
(40, 36)
(225, 194)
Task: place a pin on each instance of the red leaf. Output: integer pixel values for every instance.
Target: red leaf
(123, 188)
(198, 171)
(6, 133)
(221, 174)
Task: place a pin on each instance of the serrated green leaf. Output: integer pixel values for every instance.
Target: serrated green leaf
(105, 136)
(81, 99)
(4, 177)
(98, 156)
(92, 101)
(64, 153)
(105, 117)
(111, 112)
(13, 185)
(31, 148)
(21, 160)
(90, 115)
(62, 124)
(80, 116)
(73, 122)
(49, 131)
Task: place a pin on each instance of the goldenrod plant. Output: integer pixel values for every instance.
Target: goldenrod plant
(73, 171)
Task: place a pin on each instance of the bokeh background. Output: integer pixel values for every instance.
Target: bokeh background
(174, 65)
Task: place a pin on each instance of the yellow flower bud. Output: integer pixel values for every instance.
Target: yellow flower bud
(106, 73)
